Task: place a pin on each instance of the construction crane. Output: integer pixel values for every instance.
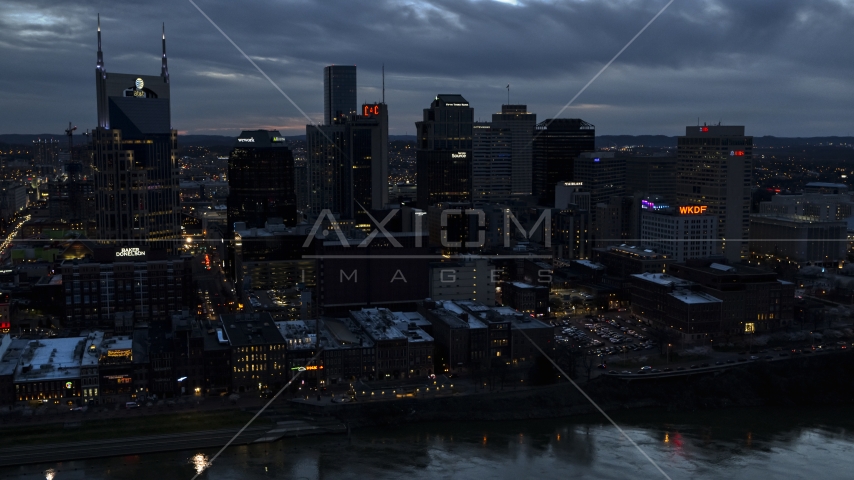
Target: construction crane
(69, 131)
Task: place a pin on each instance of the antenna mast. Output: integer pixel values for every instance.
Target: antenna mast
(383, 84)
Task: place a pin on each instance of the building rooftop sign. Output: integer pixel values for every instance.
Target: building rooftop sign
(130, 252)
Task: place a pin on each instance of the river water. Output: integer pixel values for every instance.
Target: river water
(724, 444)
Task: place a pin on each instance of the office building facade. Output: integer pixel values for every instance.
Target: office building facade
(715, 170)
(679, 233)
(654, 175)
(521, 124)
(557, 143)
(444, 151)
(339, 93)
(329, 170)
(261, 179)
(798, 239)
(492, 166)
(136, 175)
(368, 134)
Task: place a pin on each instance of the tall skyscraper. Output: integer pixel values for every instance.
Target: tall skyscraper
(339, 92)
(443, 152)
(654, 175)
(492, 168)
(348, 155)
(136, 176)
(603, 174)
(330, 178)
(521, 123)
(261, 180)
(557, 143)
(715, 170)
(348, 164)
(368, 134)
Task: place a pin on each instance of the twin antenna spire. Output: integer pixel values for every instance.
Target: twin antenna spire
(164, 70)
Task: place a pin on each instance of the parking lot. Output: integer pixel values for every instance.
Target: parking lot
(618, 337)
(605, 334)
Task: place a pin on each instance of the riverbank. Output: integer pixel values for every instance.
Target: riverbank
(803, 382)
(73, 429)
(807, 381)
(173, 433)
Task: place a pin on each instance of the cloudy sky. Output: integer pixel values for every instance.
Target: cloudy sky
(779, 67)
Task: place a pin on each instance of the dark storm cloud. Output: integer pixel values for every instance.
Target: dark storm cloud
(781, 68)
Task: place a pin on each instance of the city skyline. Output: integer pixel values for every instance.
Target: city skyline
(660, 83)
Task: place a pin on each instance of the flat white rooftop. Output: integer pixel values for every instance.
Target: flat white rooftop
(689, 297)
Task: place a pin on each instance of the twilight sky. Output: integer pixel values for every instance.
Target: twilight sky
(778, 67)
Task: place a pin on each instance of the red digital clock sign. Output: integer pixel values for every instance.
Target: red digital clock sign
(371, 110)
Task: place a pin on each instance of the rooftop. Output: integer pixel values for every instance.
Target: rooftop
(827, 185)
(479, 315)
(689, 297)
(378, 323)
(637, 252)
(298, 334)
(663, 279)
(526, 285)
(50, 359)
(11, 354)
(383, 324)
(244, 329)
(93, 348)
(589, 264)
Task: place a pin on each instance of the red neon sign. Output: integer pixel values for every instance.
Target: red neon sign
(704, 129)
(736, 153)
(368, 110)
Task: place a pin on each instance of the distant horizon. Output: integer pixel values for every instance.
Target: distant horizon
(725, 61)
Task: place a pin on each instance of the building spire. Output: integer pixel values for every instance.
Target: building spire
(164, 70)
(99, 67)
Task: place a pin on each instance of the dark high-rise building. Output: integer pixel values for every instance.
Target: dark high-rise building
(715, 170)
(557, 143)
(492, 168)
(521, 124)
(339, 92)
(348, 163)
(330, 176)
(136, 176)
(369, 153)
(348, 155)
(654, 175)
(444, 151)
(603, 174)
(261, 180)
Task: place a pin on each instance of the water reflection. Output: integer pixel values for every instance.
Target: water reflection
(716, 445)
(200, 462)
